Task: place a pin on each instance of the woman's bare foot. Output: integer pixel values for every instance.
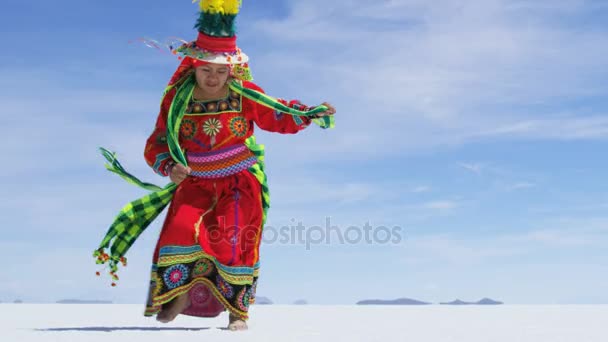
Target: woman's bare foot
(236, 323)
(173, 308)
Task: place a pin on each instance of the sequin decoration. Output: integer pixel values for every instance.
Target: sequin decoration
(239, 126)
(231, 103)
(212, 107)
(197, 108)
(175, 276)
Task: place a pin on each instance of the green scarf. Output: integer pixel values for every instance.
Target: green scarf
(137, 215)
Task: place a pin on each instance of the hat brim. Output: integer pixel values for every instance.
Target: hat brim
(228, 58)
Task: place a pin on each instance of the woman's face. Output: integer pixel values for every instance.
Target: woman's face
(211, 78)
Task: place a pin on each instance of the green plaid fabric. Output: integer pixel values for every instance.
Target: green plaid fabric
(114, 166)
(132, 220)
(258, 171)
(265, 100)
(137, 215)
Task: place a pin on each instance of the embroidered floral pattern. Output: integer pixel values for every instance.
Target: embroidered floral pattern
(175, 276)
(243, 299)
(212, 127)
(202, 268)
(186, 269)
(200, 294)
(225, 289)
(188, 129)
(239, 126)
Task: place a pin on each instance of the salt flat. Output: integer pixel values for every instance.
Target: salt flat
(118, 323)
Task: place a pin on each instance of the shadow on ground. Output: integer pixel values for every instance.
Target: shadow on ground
(111, 329)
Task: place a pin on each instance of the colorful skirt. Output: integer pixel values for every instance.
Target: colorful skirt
(209, 246)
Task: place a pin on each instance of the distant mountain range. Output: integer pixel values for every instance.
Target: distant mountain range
(400, 301)
(484, 301)
(266, 301)
(262, 301)
(409, 301)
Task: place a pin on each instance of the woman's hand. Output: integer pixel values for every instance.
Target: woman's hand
(330, 110)
(178, 173)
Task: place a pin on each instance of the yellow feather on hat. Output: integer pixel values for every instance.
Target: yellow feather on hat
(232, 6)
(212, 6)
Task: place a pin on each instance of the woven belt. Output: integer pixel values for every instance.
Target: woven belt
(220, 163)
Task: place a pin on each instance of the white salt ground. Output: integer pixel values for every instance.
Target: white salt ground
(125, 323)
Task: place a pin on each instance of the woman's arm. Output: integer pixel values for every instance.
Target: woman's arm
(272, 120)
(157, 151)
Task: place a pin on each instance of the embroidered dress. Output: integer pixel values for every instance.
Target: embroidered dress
(210, 240)
(209, 243)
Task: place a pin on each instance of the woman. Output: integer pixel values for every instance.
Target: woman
(214, 221)
(207, 256)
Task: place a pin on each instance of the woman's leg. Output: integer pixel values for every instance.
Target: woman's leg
(239, 220)
(189, 204)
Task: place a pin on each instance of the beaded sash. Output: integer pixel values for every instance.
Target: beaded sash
(220, 163)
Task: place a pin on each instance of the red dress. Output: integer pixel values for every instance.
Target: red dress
(209, 243)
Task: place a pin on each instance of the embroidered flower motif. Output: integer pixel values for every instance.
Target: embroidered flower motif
(243, 299)
(212, 127)
(202, 268)
(225, 289)
(175, 276)
(239, 126)
(188, 129)
(200, 294)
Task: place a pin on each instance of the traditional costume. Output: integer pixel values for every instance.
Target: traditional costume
(210, 240)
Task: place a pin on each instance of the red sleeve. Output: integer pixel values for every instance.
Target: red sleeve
(157, 151)
(273, 120)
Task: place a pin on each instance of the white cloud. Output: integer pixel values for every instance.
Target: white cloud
(472, 167)
(568, 237)
(425, 74)
(421, 189)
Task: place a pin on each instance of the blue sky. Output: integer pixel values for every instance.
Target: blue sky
(477, 127)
